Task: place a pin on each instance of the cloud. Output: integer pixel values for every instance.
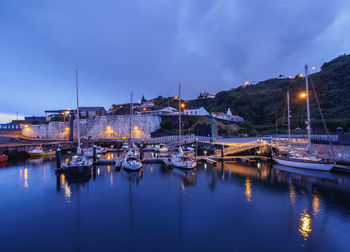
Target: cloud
(150, 46)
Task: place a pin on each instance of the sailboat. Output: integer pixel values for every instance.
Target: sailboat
(132, 159)
(299, 159)
(80, 164)
(180, 160)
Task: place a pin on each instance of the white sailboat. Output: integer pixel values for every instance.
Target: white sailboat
(299, 159)
(132, 159)
(79, 165)
(89, 152)
(180, 160)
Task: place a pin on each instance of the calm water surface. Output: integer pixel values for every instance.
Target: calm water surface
(230, 207)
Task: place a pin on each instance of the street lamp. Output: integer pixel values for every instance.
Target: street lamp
(302, 95)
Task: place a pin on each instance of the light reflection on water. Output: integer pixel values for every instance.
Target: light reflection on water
(305, 224)
(291, 194)
(205, 204)
(248, 189)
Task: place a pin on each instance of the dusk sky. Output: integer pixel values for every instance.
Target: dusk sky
(149, 46)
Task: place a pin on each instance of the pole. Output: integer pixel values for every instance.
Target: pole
(288, 107)
(78, 115)
(180, 113)
(276, 124)
(131, 117)
(212, 122)
(196, 148)
(308, 110)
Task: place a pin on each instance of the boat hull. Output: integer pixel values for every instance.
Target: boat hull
(304, 165)
(131, 167)
(4, 159)
(78, 170)
(46, 154)
(183, 165)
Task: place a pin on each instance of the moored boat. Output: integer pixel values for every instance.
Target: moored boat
(40, 152)
(3, 158)
(161, 148)
(305, 163)
(79, 165)
(132, 161)
(89, 152)
(125, 147)
(296, 158)
(180, 160)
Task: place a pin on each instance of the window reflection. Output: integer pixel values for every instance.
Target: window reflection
(26, 177)
(316, 203)
(111, 179)
(292, 194)
(248, 189)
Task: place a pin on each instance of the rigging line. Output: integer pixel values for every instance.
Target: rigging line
(322, 117)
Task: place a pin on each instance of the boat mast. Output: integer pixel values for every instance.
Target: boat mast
(308, 123)
(78, 116)
(131, 117)
(180, 113)
(289, 116)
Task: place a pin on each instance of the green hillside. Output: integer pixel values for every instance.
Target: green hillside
(260, 103)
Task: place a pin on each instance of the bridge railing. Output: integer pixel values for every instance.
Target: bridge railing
(315, 138)
(172, 139)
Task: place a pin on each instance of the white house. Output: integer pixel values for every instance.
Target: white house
(147, 104)
(228, 116)
(196, 112)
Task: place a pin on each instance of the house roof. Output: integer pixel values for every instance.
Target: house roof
(168, 109)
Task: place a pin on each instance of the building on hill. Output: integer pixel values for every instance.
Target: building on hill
(196, 112)
(147, 104)
(35, 118)
(228, 116)
(91, 112)
(205, 94)
(163, 111)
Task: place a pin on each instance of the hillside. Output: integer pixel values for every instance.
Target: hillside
(264, 103)
(259, 104)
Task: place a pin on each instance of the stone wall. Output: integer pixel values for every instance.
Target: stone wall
(104, 127)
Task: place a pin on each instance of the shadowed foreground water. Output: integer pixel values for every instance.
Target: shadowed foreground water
(230, 207)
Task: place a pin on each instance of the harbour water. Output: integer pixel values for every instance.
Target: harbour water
(226, 207)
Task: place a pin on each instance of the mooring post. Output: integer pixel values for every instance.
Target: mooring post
(94, 154)
(222, 151)
(58, 158)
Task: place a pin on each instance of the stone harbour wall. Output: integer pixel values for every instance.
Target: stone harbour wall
(104, 127)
